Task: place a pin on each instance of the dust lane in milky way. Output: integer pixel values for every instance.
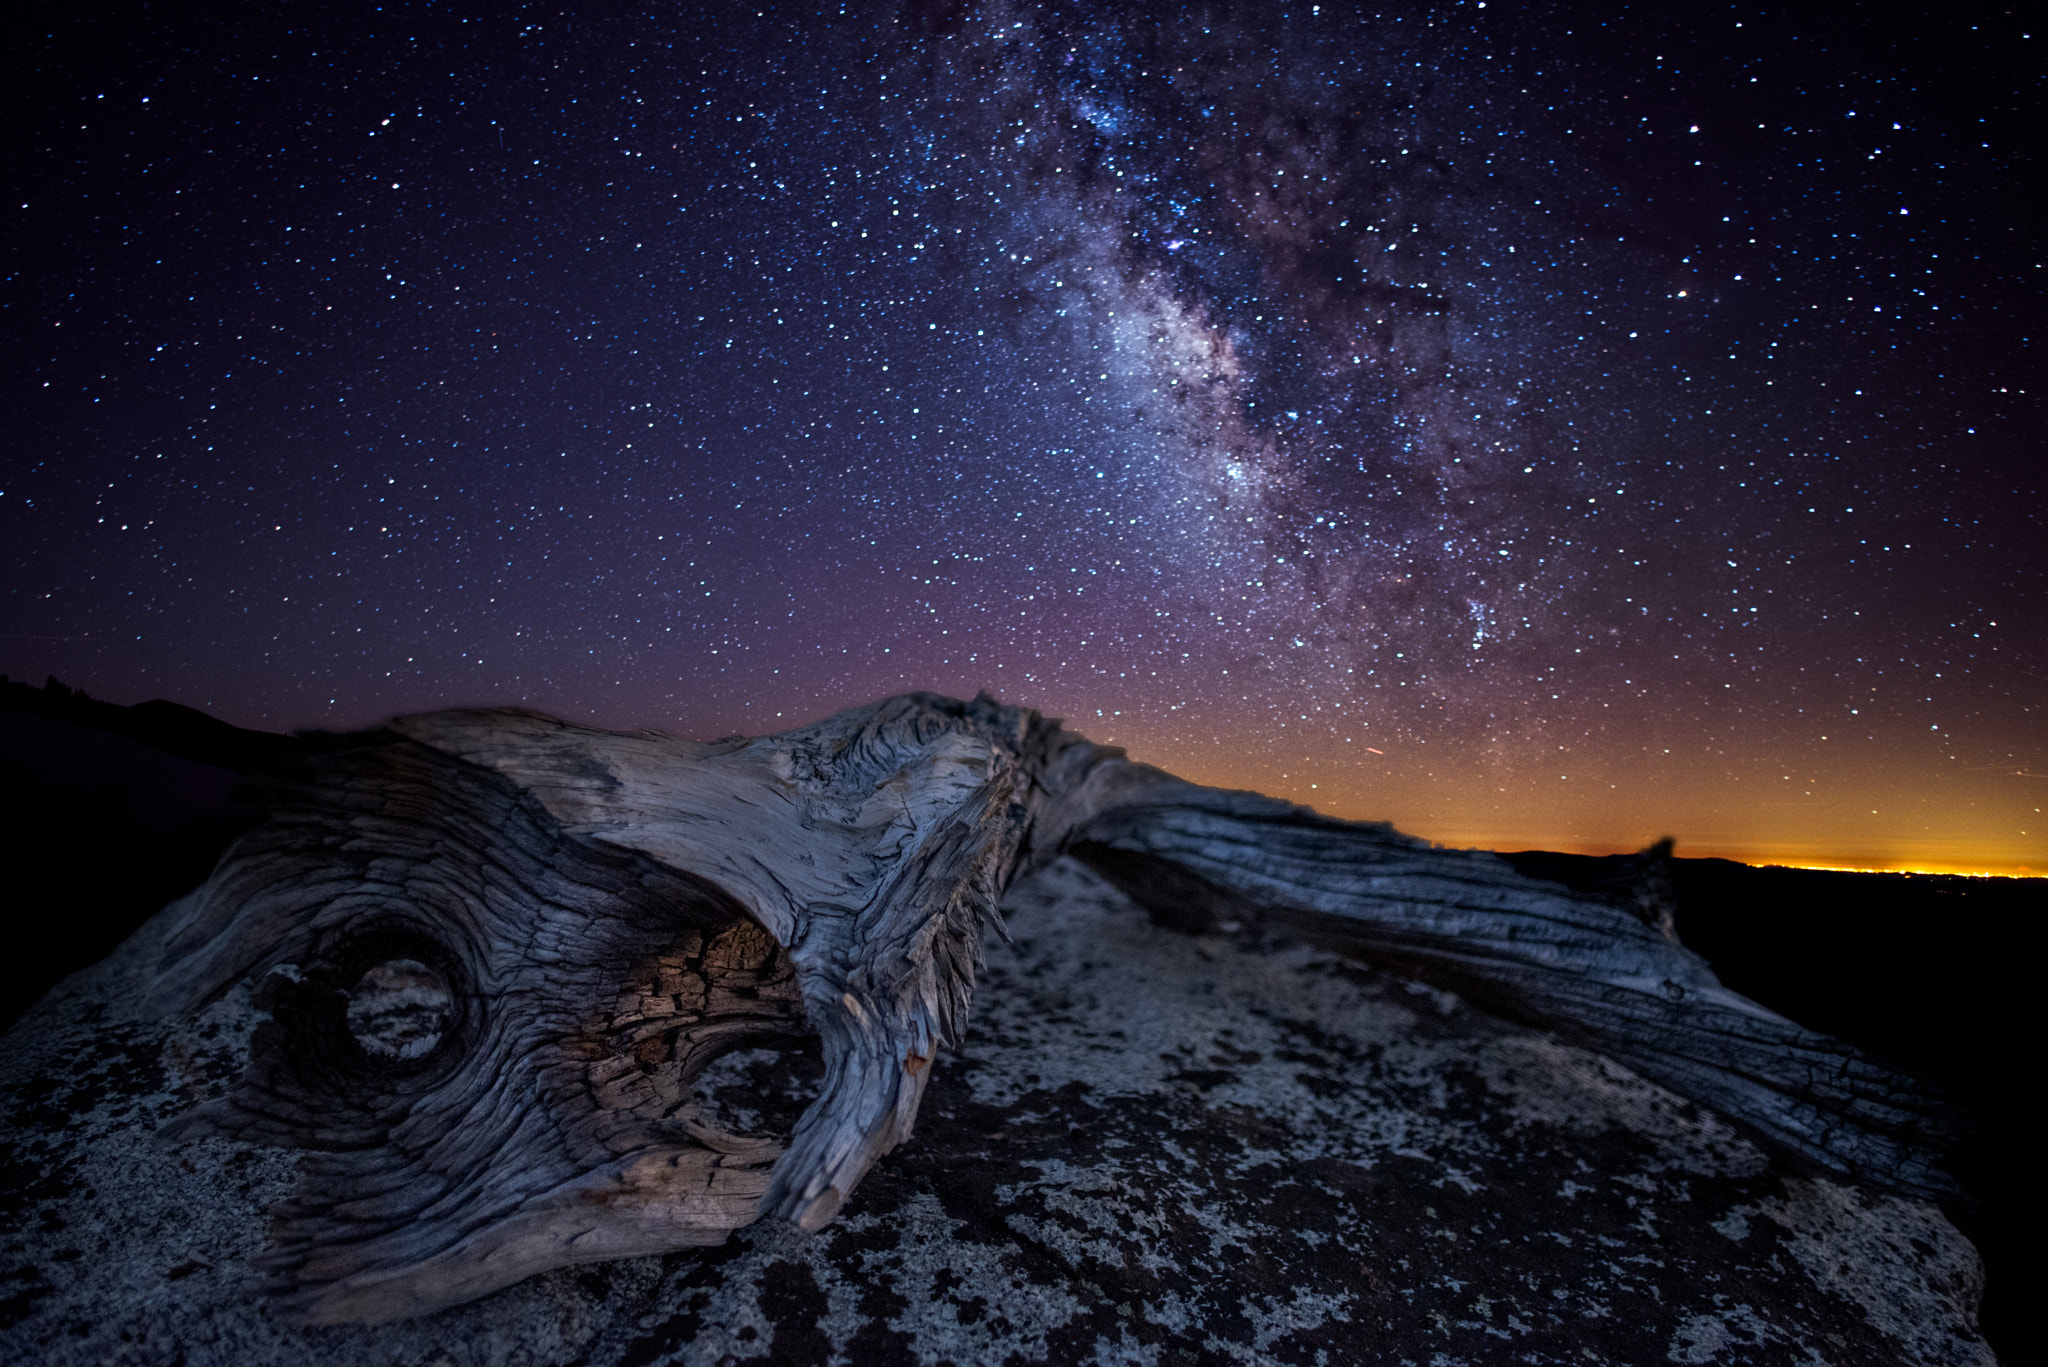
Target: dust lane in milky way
(1535, 428)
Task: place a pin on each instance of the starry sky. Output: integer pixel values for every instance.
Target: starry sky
(1536, 426)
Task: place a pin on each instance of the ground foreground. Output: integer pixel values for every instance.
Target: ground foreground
(1154, 1148)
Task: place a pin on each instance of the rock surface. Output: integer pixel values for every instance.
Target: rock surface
(1154, 1148)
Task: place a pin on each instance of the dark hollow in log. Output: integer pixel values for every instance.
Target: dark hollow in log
(487, 1031)
(498, 948)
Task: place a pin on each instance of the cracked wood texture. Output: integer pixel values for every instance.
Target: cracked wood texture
(561, 997)
(497, 951)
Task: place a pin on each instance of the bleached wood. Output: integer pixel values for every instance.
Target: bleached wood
(1608, 975)
(873, 847)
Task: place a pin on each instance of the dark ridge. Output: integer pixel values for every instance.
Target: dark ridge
(106, 814)
(168, 727)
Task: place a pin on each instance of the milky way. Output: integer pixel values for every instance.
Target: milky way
(1532, 426)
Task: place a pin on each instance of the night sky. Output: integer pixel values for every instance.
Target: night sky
(1535, 427)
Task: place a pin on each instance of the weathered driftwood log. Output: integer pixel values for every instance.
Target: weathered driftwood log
(498, 948)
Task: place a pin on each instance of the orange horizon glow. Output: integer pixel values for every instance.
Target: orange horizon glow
(1820, 866)
(1875, 805)
(1953, 872)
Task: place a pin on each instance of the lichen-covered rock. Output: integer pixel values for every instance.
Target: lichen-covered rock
(1154, 1148)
